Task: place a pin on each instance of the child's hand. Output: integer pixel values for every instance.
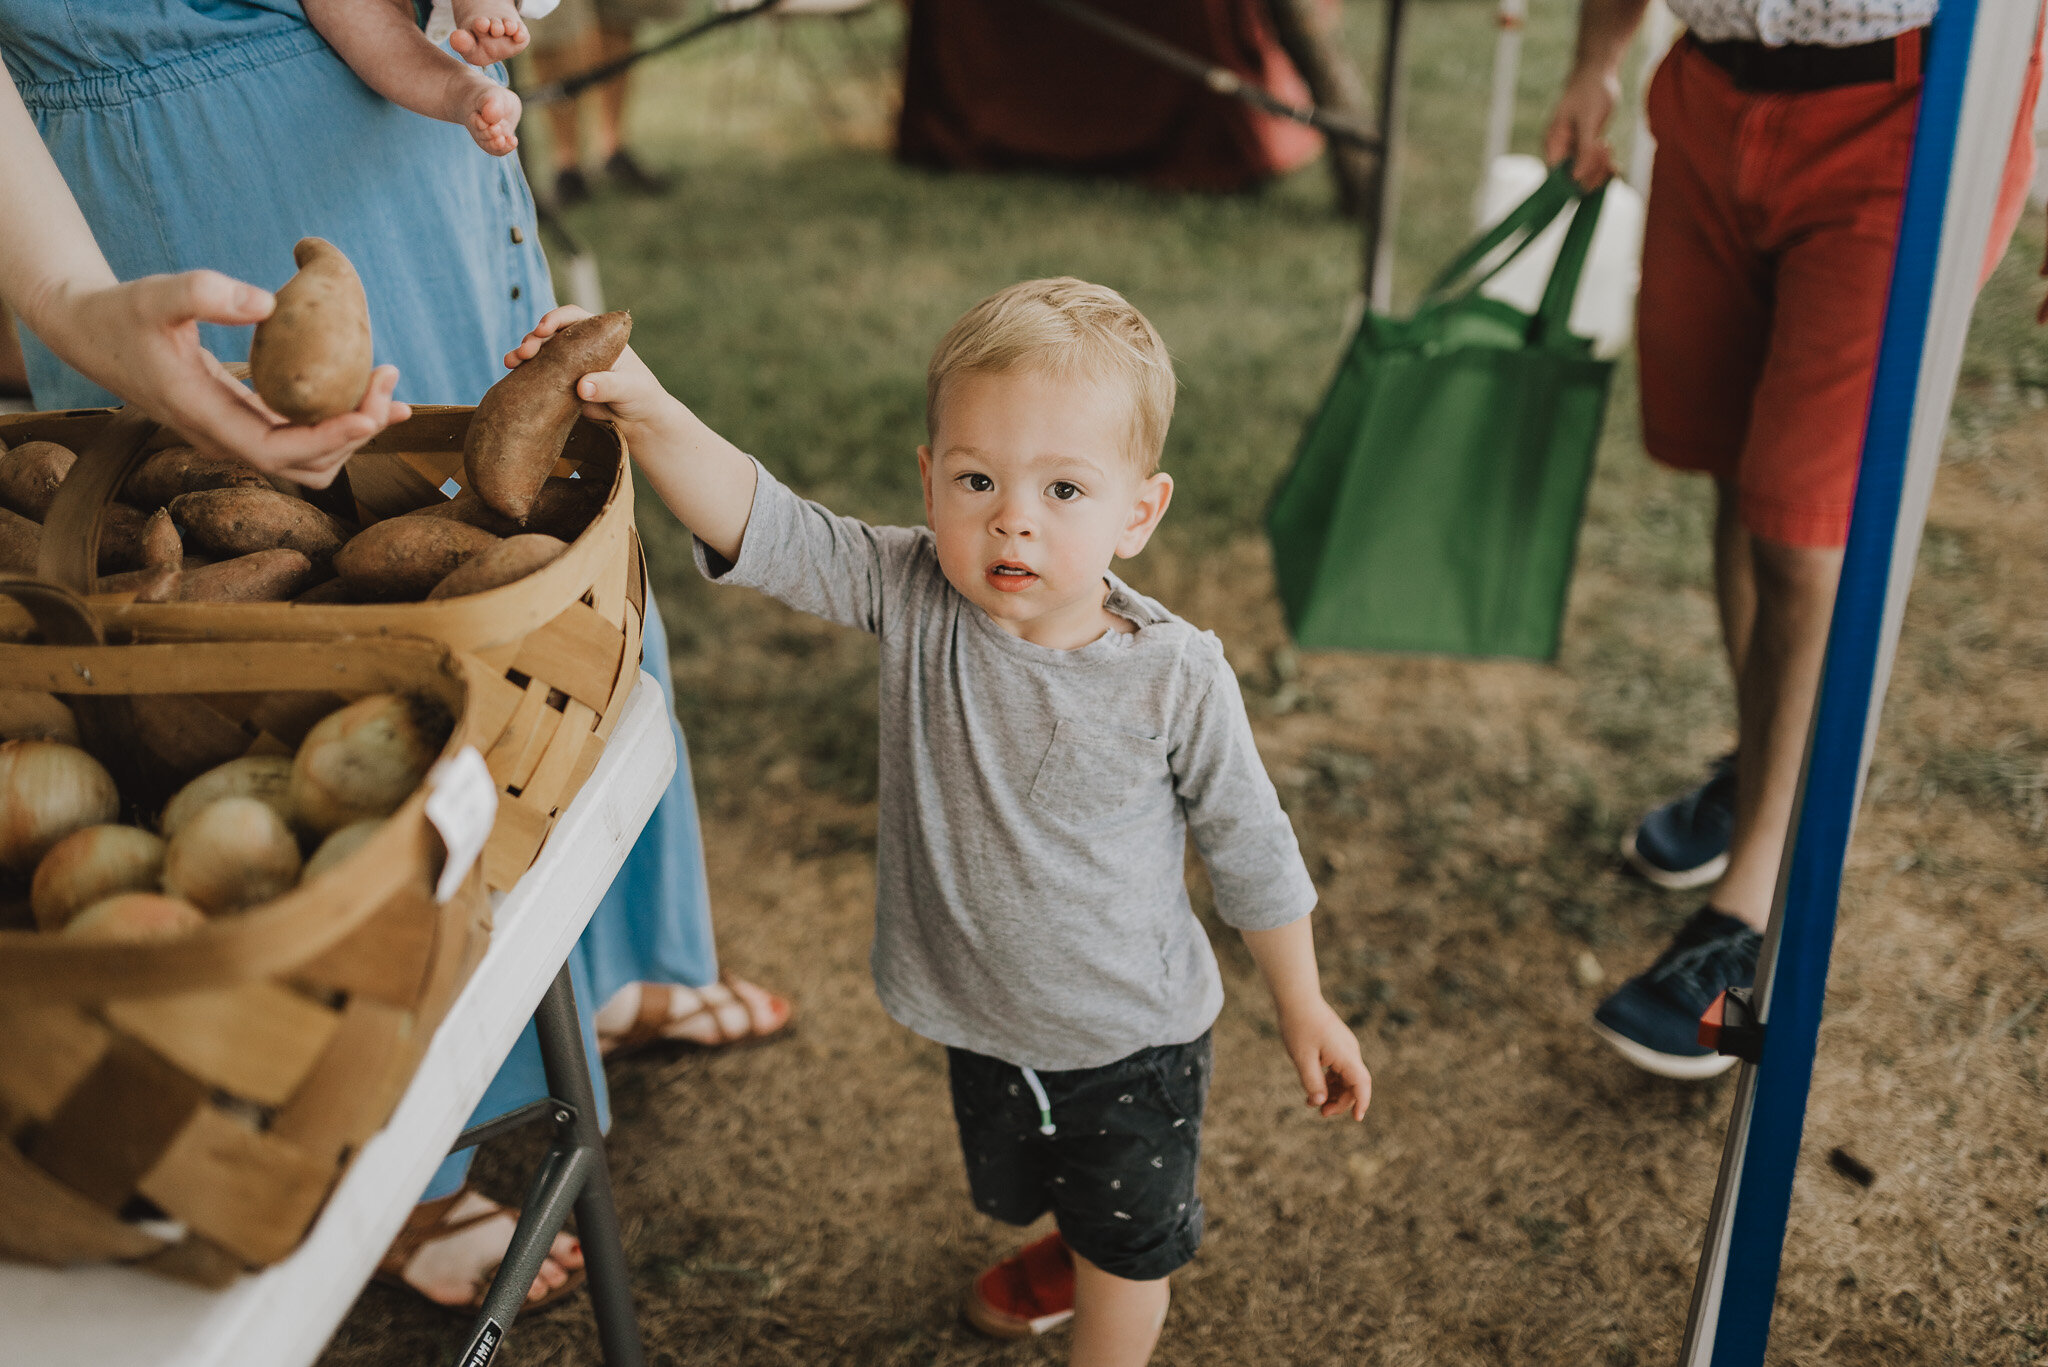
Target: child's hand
(492, 116)
(627, 394)
(1325, 1052)
(487, 31)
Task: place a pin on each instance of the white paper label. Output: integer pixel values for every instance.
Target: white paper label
(462, 803)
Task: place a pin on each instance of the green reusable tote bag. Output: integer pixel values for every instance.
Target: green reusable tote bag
(1434, 503)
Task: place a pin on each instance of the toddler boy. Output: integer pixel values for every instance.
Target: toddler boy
(1048, 739)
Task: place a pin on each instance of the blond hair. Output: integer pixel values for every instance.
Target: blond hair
(1071, 329)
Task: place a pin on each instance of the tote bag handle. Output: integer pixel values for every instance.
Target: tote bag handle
(1554, 315)
(1527, 219)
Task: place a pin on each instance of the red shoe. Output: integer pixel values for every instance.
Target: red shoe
(1026, 1293)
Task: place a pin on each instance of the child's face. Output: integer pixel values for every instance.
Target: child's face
(1031, 493)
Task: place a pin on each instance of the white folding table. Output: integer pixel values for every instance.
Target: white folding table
(282, 1317)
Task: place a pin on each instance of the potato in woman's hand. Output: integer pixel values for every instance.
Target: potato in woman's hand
(311, 357)
(519, 429)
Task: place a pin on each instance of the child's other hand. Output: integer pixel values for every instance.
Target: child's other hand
(487, 32)
(1325, 1053)
(493, 115)
(628, 393)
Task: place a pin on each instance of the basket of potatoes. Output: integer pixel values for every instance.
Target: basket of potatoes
(504, 531)
(216, 975)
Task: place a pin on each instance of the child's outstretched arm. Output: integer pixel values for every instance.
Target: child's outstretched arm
(706, 481)
(1324, 1050)
(382, 42)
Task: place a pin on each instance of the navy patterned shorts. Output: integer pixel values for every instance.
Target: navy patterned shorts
(1118, 1171)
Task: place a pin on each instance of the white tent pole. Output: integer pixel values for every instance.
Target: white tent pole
(1500, 111)
(1659, 28)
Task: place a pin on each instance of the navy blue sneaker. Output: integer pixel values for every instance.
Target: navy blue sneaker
(1653, 1019)
(1684, 843)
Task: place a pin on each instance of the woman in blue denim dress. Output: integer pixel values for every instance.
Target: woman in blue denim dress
(215, 134)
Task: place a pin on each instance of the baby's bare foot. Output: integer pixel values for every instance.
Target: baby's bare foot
(492, 117)
(487, 31)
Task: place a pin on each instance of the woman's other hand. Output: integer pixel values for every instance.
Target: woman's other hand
(141, 340)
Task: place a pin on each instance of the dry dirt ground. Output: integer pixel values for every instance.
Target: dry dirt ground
(1517, 1195)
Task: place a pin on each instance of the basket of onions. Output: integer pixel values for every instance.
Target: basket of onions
(228, 927)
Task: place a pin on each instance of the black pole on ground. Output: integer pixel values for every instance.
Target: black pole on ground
(1382, 212)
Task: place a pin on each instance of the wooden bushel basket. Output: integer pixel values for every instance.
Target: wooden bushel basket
(563, 642)
(187, 1104)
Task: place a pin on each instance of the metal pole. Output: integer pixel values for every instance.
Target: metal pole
(597, 1219)
(1379, 238)
(1976, 57)
(1658, 31)
(1500, 111)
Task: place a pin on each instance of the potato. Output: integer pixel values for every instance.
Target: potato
(404, 557)
(20, 541)
(365, 760)
(29, 476)
(231, 855)
(186, 734)
(563, 508)
(242, 521)
(311, 358)
(519, 429)
(179, 470)
(136, 916)
(511, 559)
(47, 791)
(260, 577)
(157, 584)
(28, 715)
(131, 539)
(338, 847)
(90, 866)
(267, 778)
(335, 591)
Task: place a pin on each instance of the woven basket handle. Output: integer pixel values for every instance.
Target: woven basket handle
(70, 553)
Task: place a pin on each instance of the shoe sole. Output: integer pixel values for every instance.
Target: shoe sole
(988, 1320)
(1677, 880)
(1677, 1067)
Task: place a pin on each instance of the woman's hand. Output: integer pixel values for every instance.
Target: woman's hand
(141, 340)
(1578, 126)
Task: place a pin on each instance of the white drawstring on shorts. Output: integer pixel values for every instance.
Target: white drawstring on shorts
(1045, 1125)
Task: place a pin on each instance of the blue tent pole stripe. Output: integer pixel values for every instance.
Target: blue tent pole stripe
(1925, 317)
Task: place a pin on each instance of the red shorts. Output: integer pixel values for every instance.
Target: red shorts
(1767, 256)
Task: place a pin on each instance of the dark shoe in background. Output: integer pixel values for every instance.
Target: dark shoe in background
(1653, 1019)
(571, 188)
(626, 172)
(1684, 843)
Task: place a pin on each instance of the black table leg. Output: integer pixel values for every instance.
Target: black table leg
(572, 1174)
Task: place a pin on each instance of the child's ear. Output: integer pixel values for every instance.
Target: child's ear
(924, 474)
(1146, 510)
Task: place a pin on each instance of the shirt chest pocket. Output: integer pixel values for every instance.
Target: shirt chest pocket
(1091, 772)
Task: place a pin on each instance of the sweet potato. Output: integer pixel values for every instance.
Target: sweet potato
(242, 521)
(155, 584)
(311, 358)
(514, 558)
(26, 714)
(182, 470)
(20, 540)
(519, 429)
(259, 577)
(404, 557)
(562, 509)
(335, 591)
(29, 476)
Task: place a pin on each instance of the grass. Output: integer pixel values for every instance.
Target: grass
(1517, 1195)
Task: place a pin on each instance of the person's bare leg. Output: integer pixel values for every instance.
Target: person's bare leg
(1734, 577)
(611, 96)
(551, 64)
(1116, 1320)
(1795, 596)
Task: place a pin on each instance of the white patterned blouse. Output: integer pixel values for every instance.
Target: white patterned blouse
(1821, 23)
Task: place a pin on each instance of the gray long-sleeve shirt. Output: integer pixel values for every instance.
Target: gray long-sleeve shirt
(1030, 899)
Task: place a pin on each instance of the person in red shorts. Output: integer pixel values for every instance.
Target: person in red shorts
(1784, 129)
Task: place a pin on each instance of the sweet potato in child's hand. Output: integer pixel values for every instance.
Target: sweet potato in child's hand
(311, 358)
(521, 426)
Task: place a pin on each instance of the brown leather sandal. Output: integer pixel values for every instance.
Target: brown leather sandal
(656, 1021)
(429, 1223)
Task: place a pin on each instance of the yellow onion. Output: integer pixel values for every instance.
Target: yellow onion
(90, 866)
(136, 916)
(365, 760)
(267, 778)
(231, 855)
(47, 791)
